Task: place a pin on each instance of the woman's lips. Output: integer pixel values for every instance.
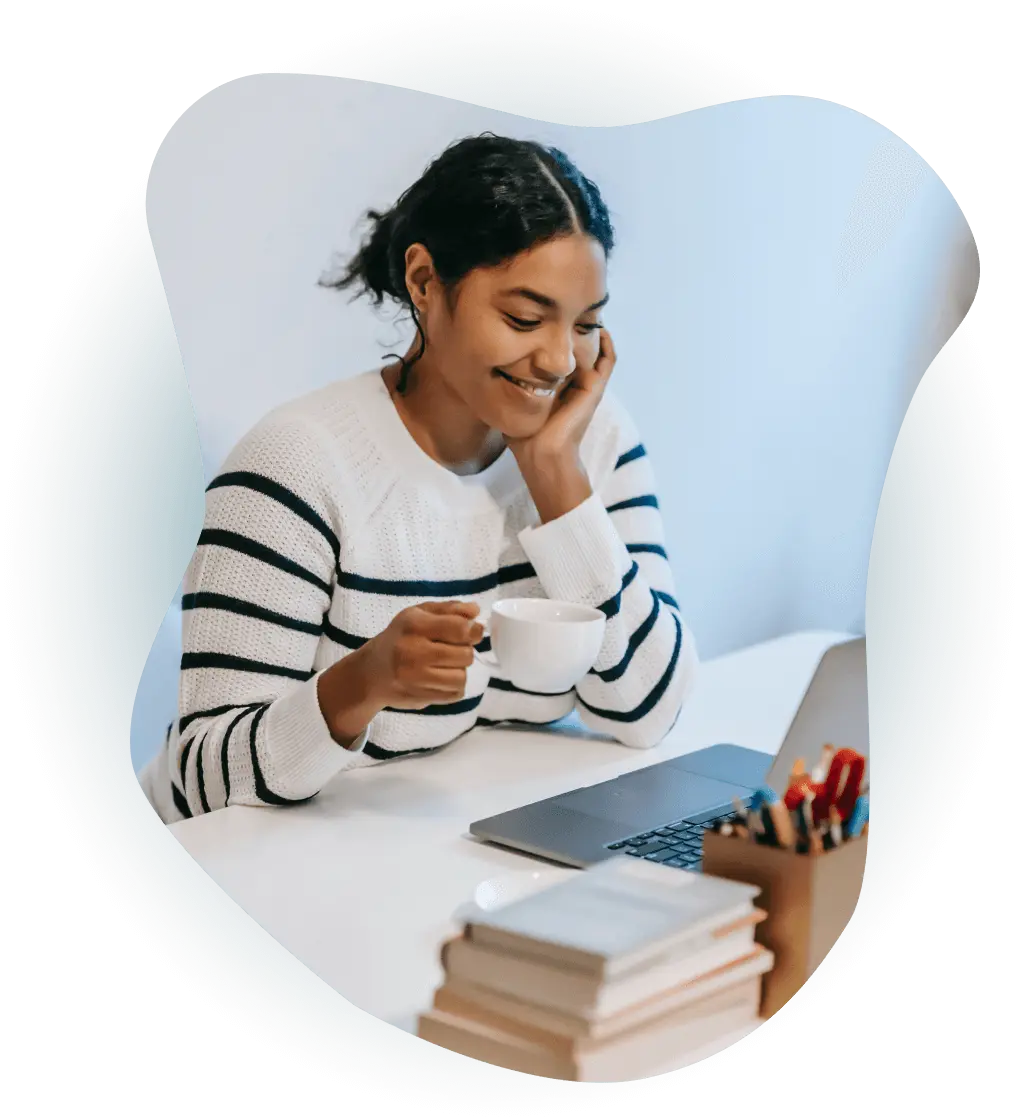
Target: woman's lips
(542, 392)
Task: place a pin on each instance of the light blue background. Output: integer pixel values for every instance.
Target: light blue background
(786, 271)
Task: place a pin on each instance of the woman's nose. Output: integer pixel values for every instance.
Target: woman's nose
(555, 357)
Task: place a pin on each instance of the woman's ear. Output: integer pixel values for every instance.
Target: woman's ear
(420, 276)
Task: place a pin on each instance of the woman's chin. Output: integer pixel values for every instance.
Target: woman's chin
(518, 427)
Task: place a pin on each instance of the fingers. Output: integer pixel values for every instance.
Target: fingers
(452, 606)
(436, 686)
(451, 629)
(607, 354)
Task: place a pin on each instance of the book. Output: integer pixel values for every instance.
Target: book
(615, 918)
(584, 994)
(557, 1030)
(630, 1055)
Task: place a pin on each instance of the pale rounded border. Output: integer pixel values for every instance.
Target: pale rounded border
(857, 945)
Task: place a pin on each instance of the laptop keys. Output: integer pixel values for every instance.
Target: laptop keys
(648, 849)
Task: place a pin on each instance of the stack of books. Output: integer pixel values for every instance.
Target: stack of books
(620, 972)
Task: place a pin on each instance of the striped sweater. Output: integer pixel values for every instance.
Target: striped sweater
(328, 519)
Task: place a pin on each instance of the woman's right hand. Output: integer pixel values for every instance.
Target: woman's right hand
(422, 657)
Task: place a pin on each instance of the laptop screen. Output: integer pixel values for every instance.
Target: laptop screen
(834, 710)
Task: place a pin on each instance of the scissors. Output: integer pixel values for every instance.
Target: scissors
(842, 786)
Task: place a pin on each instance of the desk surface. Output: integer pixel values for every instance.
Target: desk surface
(361, 884)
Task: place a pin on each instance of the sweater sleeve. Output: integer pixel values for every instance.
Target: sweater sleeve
(250, 730)
(609, 553)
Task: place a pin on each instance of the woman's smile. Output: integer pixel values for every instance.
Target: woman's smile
(529, 388)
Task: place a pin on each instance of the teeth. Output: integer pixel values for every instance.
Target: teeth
(533, 390)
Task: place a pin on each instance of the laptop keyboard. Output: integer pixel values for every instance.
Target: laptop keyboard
(676, 845)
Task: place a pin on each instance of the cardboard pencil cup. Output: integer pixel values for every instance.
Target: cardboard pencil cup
(808, 898)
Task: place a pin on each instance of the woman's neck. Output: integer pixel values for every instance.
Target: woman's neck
(439, 421)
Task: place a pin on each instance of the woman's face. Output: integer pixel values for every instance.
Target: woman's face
(509, 338)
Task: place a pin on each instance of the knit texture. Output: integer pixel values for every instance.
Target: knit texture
(326, 521)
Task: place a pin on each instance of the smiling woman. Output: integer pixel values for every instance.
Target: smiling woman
(353, 537)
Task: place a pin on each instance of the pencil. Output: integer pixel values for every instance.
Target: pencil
(783, 825)
(821, 771)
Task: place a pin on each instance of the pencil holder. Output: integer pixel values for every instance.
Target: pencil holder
(809, 900)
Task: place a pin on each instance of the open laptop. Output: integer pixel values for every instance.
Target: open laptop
(660, 812)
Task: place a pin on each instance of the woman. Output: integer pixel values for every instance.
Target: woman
(354, 535)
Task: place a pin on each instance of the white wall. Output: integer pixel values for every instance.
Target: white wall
(786, 270)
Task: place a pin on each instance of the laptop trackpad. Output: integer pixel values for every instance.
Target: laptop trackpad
(654, 795)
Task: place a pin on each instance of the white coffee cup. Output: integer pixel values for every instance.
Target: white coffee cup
(543, 645)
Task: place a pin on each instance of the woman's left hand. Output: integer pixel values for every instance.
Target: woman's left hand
(550, 460)
(559, 438)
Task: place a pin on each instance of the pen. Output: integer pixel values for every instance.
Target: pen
(835, 827)
(775, 816)
(813, 837)
(858, 817)
(768, 831)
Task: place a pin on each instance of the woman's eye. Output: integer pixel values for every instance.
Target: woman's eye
(587, 328)
(524, 324)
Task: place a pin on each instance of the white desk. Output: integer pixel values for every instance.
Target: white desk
(361, 883)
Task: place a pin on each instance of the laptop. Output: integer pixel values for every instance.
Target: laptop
(660, 812)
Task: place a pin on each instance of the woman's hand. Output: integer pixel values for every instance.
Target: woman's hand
(421, 658)
(550, 460)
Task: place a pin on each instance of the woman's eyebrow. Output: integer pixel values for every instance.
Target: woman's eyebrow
(548, 301)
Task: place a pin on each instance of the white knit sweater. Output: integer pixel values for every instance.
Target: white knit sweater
(326, 521)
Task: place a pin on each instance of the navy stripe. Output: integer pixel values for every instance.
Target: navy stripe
(435, 589)
(225, 748)
(249, 480)
(262, 791)
(655, 549)
(373, 750)
(201, 774)
(505, 686)
(181, 802)
(184, 766)
(636, 639)
(341, 637)
(611, 607)
(169, 728)
(652, 698)
(458, 707)
(667, 599)
(237, 542)
(629, 456)
(187, 720)
(210, 600)
(482, 721)
(644, 500)
(242, 665)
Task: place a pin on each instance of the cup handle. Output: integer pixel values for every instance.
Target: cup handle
(489, 659)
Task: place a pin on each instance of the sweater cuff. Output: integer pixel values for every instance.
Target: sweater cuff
(579, 557)
(299, 743)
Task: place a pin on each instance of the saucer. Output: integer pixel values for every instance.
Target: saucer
(491, 894)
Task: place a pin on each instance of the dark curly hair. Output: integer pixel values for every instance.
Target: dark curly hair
(482, 201)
